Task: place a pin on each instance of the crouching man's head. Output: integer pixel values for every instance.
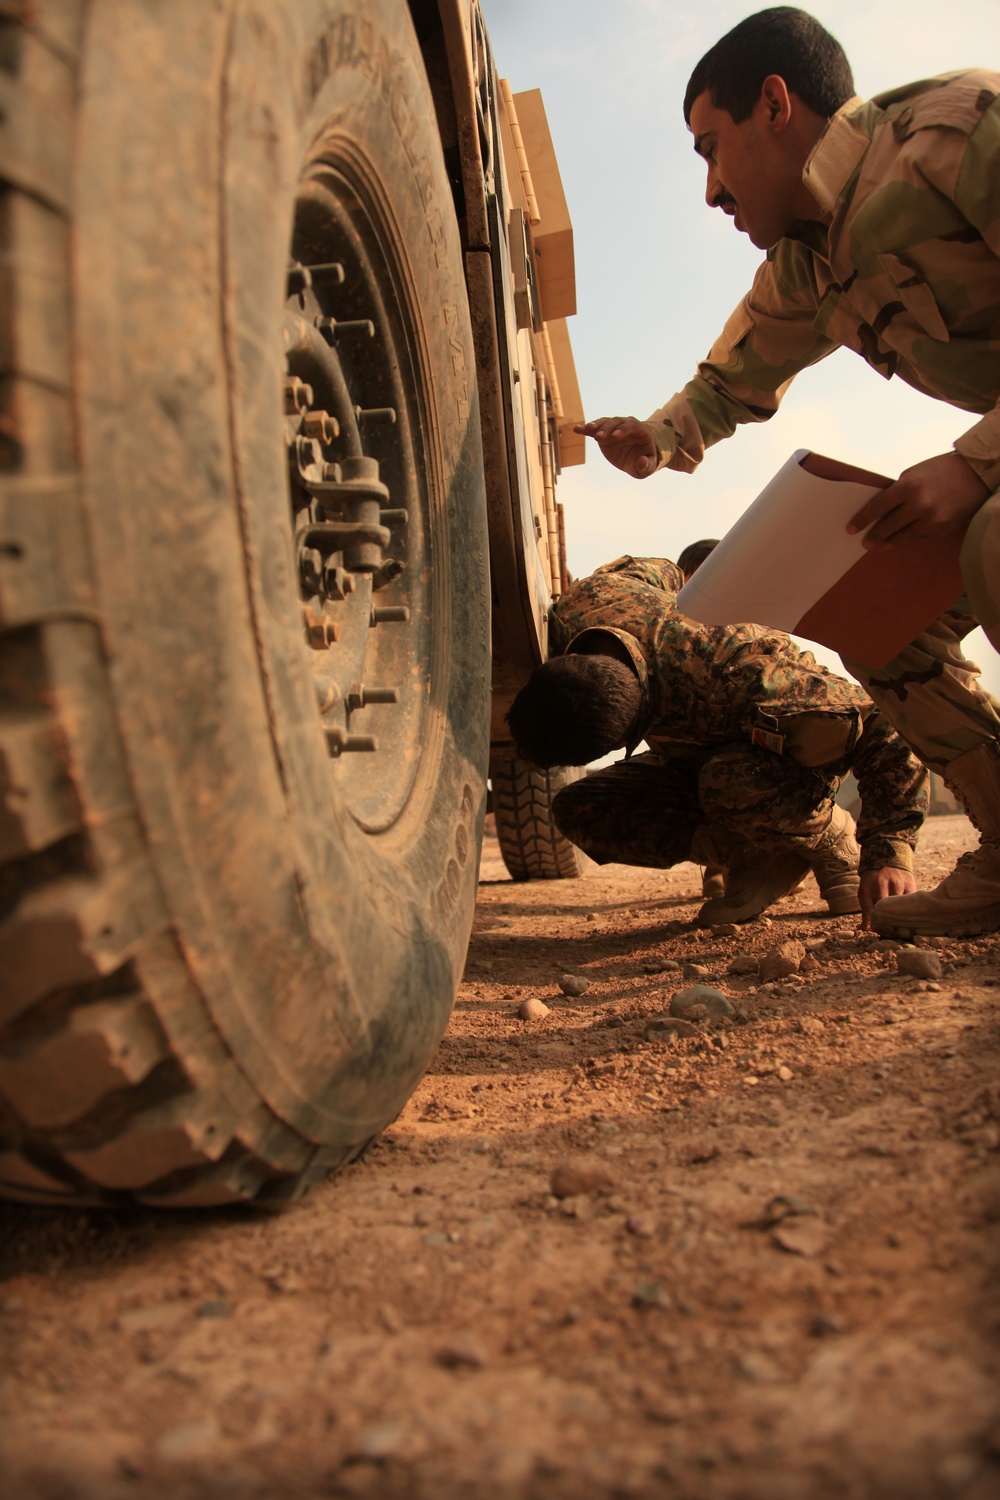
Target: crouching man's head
(576, 708)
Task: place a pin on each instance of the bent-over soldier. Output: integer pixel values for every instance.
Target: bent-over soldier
(749, 739)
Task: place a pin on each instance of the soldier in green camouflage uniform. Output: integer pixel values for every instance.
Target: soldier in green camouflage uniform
(748, 737)
(881, 222)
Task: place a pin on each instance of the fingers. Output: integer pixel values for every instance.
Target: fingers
(625, 442)
(874, 509)
(611, 429)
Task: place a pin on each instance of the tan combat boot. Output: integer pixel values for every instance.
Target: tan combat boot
(710, 850)
(753, 881)
(967, 901)
(834, 862)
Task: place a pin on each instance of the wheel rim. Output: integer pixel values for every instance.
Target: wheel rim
(361, 508)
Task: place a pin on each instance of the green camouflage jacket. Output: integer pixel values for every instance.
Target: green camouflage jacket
(904, 269)
(707, 685)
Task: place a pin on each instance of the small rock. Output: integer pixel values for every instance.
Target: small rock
(743, 963)
(785, 1074)
(667, 1028)
(699, 971)
(532, 1010)
(779, 962)
(825, 1324)
(810, 1025)
(660, 966)
(800, 1236)
(700, 995)
(918, 962)
(651, 1294)
(573, 984)
(641, 1227)
(189, 1440)
(461, 1353)
(215, 1307)
(380, 1441)
(726, 929)
(571, 1179)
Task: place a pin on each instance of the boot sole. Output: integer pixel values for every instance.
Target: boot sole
(720, 910)
(987, 920)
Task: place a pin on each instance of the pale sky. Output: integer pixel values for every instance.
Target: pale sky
(658, 272)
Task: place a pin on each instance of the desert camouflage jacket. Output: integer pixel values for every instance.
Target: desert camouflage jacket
(706, 685)
(904, 268)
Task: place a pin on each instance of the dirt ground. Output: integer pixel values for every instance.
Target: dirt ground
(768, 1269)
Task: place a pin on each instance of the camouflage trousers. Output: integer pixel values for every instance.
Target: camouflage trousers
(644, 811)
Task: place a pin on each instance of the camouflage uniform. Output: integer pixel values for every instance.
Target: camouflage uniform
(747, 734)
(905, 270)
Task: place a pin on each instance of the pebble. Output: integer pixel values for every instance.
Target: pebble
(189, 1440)
(743, 963)
(642, 1228)
(215, 1307)
(726, 929)
(918, 962)
(825, 1324)
(779, 962)
(571, 1179)
(573, 984)
(651, 1294)
(797, 1236)
(660, 966)
(532, 1010)
(461, 1353)
(713, 1002)
(668, 1027)
(785, 1074)
(699, 971)
(380, 1441)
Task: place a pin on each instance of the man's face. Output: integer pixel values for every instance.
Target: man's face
(750, 175)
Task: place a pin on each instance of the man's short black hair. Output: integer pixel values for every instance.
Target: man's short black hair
(574, 709)
(781, 40)
(694, 554)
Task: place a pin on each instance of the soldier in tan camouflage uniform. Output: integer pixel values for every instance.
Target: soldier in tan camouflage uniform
(748, 737)
(881, 222)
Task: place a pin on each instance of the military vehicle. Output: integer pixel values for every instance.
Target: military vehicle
(287, 387)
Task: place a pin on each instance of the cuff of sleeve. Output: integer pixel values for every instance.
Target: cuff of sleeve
(980, 447)
(886, 854)
(665, 439)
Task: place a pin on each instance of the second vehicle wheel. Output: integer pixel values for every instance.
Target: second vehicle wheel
(244, 642)
(531, 844)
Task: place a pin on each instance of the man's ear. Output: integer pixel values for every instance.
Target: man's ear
(775, 103)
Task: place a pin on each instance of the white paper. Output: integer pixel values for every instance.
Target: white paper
(783, 554)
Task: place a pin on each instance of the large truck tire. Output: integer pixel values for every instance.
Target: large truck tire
(530, 843)
(231, 928)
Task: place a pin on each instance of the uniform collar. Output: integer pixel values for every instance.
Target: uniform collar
(835, 155)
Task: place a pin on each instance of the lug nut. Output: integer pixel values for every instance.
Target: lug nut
(321, 426)
(320, 632)
(298, 396)
(337, 582)
(311, 572)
